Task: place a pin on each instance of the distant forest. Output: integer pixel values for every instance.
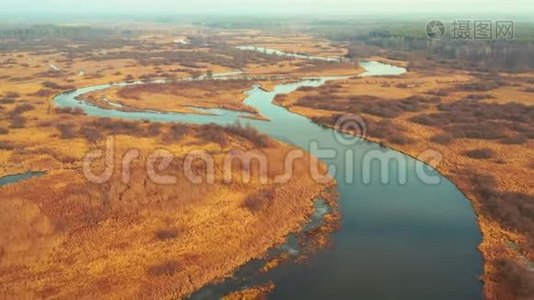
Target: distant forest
(397, 36)
(484, 55)
(406, 35)
(52, 31)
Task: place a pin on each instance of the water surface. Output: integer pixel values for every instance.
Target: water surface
(287, 54)
(10, 179)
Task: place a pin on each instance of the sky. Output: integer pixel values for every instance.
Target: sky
(315, 7)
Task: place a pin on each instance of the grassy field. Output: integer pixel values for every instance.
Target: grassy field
(68, 237)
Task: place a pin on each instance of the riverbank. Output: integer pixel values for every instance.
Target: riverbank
(507, 168)
(68, 237)
(180, 96)
(143, 239)
(458, 216)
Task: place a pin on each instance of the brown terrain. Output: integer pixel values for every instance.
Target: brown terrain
(182, 96)
(481, 124)
(68, 237)
(259, 293)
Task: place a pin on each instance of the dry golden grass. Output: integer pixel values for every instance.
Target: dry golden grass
(69, 238)
(179, 96)
(258, 292)
(303, 68)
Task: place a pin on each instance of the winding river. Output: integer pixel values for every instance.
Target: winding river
(399, 239)
(10, 179)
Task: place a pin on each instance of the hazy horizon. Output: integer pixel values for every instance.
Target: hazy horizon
(26, 9)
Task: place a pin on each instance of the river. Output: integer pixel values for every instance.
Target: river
(11, 179)
(399, 239)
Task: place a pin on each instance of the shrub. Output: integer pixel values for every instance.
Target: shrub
(45, 123)
(118, 126)
(66, 159)
(260, 200)
(530, 134)
(17, 122)
(13, 95)
(365, 104)
(305, 89)
(488, 131)
(484, 185)
(442, 139)
(167, 268)
(69, 110)
(399, 140)
(176, 132)
(382, 111)
(91, 134)
(414, 103)
(4, 145)
(66, 131)
(438, 92)
(43, 93)
(166, 234)
(21, 108)
(7, 101)
(386, 129)
(479, 96)
(249, 133)
(483, 153)
(517, 280)
(425, 119)
(51, 85)
(514, 209)
(478, 86)
(515, 140)
(212, 133)
(153, 129)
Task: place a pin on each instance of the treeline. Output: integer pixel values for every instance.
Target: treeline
(53, 31)
(48, 39)
(484, 55)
